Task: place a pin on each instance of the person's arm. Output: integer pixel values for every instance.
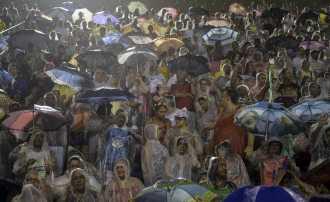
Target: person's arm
(250, 145)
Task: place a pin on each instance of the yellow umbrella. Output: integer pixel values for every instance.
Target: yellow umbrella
(219, 23)
(237, 8)
(164, 44)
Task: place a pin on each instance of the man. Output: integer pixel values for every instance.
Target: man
(123, 187)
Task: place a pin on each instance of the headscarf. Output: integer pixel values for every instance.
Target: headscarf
(125, 164)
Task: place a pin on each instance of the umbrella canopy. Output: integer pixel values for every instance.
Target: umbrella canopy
(268, 119)
(164, 44)
(104, 18)
(104, 95)
(24, 38)
(191, 192)
(59, 12)
(92, 59)
(218, 23)
(49, 119)
(152, 194)
(282, 41)
(137, 56)
(88, 15)
(277, 13)
(117, 38)
(194, 65)
(141, 40)
(69, 5)
(237, 9)
(201, 31)
(70, 77)
(137, 5)
(310, 111)
(264, 193)
(224, 35)
(170, 11)
(197, 11)
(312, 45)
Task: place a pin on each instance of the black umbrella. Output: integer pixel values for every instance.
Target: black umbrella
(198, 11)
(309, 15)
(194, 65)
(92, 59)
(152, 194)
(24, 38)
(282, 41)
(104, 95)
(277, 13)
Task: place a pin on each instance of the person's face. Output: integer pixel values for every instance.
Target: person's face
(38, 140)
(203, 85)
(50, 100)
(262, 80)
(32, 179)
(121, 172)
(182, 148)
(315, 90)
(227, 69)
(75, 163)
(203, 103)
(223, 151)
(180, 122)
(162, 112)
(274, 148)
(13, 71)
(121, 121)
(78, 181)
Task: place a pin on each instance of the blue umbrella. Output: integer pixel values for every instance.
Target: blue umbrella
(104, 95)
(70, 77)
(104, 18)
(117, 38)
(224, 35)
(264, 194)
(268, 119)
(152, 194)
(310, 111)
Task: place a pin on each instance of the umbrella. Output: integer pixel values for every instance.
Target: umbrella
(88, 15)
(69, 5)
(117, 38)
(20, 121)
(201, 31)
(282, 41)
(268, 119)
(137, 5)
(92, 59)
(141, 40)
(237, 9)
(197, 11)
(224, 35)
(309, 15)
(192, 192)
(103, 18)
(103, 95)
(152, 194)
(277, 13)
(164, 44)
(264, 193)
(59, 12)
(218, 23)
(194, 65)
(310, 111)
(312, 45)
(137, 56)
(69, 77)
(23, 38)
(171, 11)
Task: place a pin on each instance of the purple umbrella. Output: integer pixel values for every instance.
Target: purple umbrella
(312, 45)
(103, 18)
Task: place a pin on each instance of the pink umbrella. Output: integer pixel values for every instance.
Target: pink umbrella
(312, 45)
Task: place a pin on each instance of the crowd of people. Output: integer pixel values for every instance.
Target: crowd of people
(179, 125)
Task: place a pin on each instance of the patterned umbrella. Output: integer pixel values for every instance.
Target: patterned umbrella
(137, 56)
(88, 15)
(268, 119)
(218, 23)
(164, 44)
(263, 194)
(310, 111)
(104, 18)
(223, 35)
(137, 5)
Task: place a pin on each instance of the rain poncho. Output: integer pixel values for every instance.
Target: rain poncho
(153, 156)
(30, 193)
(122, 190)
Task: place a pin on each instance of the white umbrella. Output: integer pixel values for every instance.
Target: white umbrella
(224, 35)
(137, 5)
(88, 15)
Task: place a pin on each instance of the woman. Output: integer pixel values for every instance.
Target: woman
(78, 190)
(123, 187)
(154, 155)
(258, 92)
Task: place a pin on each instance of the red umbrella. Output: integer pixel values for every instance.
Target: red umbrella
(46, 118)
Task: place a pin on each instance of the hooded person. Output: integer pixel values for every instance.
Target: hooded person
(30, 193)
(153, 156)
(78, 189)
(184, 159)
(123, 187)
(235, 168)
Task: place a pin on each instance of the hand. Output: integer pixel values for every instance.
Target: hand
(248, 151)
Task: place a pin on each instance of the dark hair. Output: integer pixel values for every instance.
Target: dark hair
(233, 94)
